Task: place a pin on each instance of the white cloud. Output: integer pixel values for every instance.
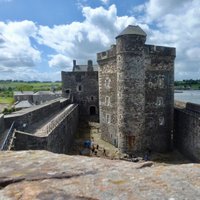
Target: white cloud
(60, 61)
(176, 23)
(170, 23)
(15, 45)
(82, 40)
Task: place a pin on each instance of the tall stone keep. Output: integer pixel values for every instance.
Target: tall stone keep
(130, 88)
(136, 110)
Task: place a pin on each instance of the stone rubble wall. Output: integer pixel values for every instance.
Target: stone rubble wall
(82, 88)
(108, 100)
(187, 131)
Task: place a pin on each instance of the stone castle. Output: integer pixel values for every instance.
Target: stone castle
(132, 93)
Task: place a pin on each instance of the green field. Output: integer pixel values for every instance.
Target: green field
(6, 100)
(7, 88)
(187, 84)
(28, 86)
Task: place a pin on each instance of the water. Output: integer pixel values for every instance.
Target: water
(192, 96)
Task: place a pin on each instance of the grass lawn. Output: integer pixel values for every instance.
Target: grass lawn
(6, 100)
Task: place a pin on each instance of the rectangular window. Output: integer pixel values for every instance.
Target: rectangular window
(107, 101)
(108, 118)
(107, 83)
(79, 88)
(159, 101)
(161, 121)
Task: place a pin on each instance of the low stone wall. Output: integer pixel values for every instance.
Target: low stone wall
(25, 141)
(59, 139)
(187, 131)
(2, 126)
(32, 115)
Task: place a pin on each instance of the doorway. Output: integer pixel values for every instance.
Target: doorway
(92, 110)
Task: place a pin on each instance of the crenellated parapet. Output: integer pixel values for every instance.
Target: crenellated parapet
(159, 50)
(109, 54)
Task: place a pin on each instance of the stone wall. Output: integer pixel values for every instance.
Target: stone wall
(2, 126)
(82, 87)
(159, 97)
(25, 141)
(32, 115)
(41, 98)
(59, 140)
(108, 95)
(187, 131)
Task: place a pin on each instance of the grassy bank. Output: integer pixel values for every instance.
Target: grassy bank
(6, 100)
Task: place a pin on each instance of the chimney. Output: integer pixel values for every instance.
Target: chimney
(74, 63)
(90, 66)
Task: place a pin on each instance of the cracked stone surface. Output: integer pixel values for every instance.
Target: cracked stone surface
(43, 175)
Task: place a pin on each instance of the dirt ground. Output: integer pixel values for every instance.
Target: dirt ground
(106, 150)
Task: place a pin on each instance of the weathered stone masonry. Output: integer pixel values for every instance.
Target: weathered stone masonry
(58, 139)
(82, 88)
(139, 78)
(187, 130)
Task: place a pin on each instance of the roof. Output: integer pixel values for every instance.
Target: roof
(44, 93)
(58, 92)
(23, 93)
(23, 104)
(83, 68)
(132, 30)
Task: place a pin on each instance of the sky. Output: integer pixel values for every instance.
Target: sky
(41, 38)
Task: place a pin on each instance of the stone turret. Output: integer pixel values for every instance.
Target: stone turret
(131, 90)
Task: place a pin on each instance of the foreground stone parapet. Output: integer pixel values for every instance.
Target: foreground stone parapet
(44, 175)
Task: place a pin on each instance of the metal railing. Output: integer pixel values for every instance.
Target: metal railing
(7, 139)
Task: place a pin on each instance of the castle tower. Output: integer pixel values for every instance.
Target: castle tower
(136, 87)
(130, 45)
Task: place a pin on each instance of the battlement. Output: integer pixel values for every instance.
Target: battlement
(160, 50)
(193, 107)
(107, 54)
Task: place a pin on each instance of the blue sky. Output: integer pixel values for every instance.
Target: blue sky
(39, 38)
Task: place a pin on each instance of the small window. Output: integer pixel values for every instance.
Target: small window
(108, 118)
(161, 121)
(159, 101)
(107, 101)
(161, 79)
(92, 98)
(79, 88)
(107, 83)
(150, 84)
